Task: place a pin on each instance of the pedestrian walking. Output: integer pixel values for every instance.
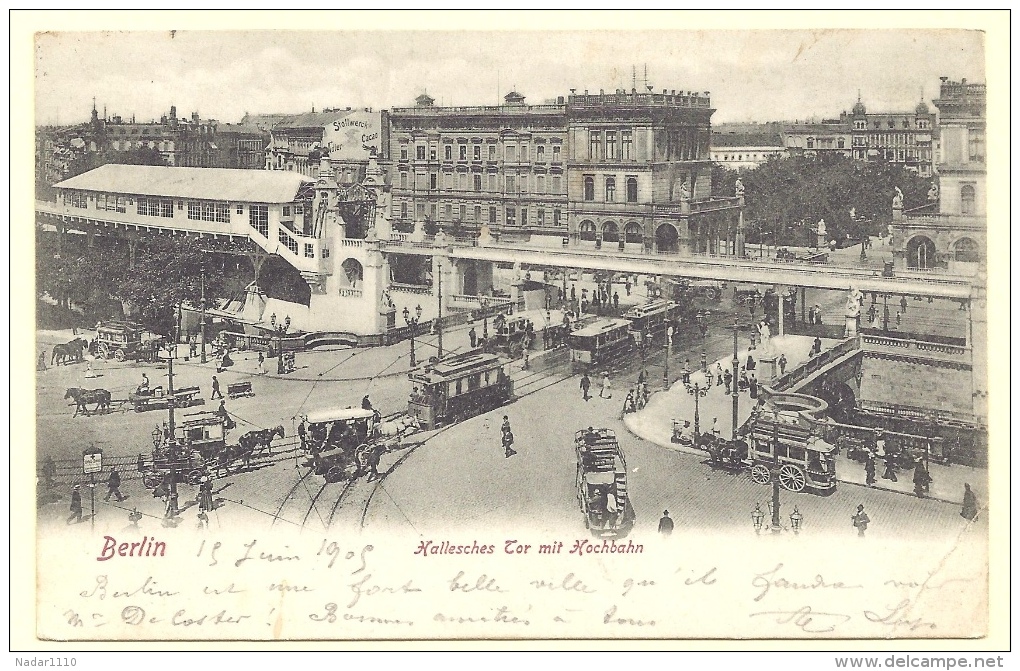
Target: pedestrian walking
(113, 486)
(685, 373)
(262, 364)
(715, 426)
(782, 364)
(728, 380)
(665, 524)
(524, 364)
(473, 337)
(922, 479)
(372, 461)
(89, 373)
(506, 424)
(752, 386)
(628, 403)
(718, 374)
(750, 362)
(627, 287)
(143, 386)
(215, 388)
(861, 520)
(585, 385)
(970, 509)
(49, 471)
(172, 510)
(869, 469)
(616, 301)
(302, 432)
(811, 314)
(890, 468)
(704, 361)
(899, 317)
(903, 303)
(75, 505)
(508, 444)
(818, 314)
(607, 387)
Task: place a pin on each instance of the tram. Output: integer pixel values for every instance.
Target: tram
(458, 387)
(652, 318)
(600, 341)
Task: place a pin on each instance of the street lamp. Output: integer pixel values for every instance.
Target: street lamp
(795, 519)
(202, 325)
(668, 351)
(697, 392)
(412, 323)
(736, 368)
(757, 517)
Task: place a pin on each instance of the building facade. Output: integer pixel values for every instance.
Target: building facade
(744, 146)
(830, 137)
(901, 138)
(347, 138)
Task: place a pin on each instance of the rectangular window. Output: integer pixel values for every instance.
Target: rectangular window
(419, 211)
(448, 180)
(511, 216)
(287, 240)
(540, 153)
(166, 208)
(309, 251)
(524, 183)
(477, 152)
(511, 153)
(525, 153)
(448, 212)
(540, 216)
(524, 216)
(492, 152)
(403, 180)
(420, 180)
(493, 182)
(492, 214)
(610, 189)
(632, 190)
(77, 199)
(556, 153)
(432, 153)
(462, 181)
(511, 184)
(403, 152)
(478, 213)
(403, 210)
(556, 217)
(258, 218)
(477, 179)
(539, 183)
(286, 210)
(557, 184)
(419, 152)
(463, 212)
(194, 211)
(463, 152)
(626, 145)
(610, 144)
(433, 181)
(433, 211)
(240, 209)
(594, 144)
(448, 152)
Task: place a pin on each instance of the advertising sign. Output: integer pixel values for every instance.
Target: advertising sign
(354, 136)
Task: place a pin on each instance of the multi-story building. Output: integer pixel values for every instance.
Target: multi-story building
(830, 137)
(620, 168)
(741, 145)
(903, 138)
(503, 166)
(346, 137)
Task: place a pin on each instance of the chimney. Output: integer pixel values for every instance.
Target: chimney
(586, 92)
(602, 92)
(673, 92)
(194, 117)
(559, 100)
(173, 112)
(963, 82)
(663, 91)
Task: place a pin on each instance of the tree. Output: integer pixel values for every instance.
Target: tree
(167, 274)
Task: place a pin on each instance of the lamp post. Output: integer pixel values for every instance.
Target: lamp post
(439, 319)
(697, 392)
(776, 527)
(736, 368)
(668, 351)
(412, 323)
(885, 312)
(202, 325)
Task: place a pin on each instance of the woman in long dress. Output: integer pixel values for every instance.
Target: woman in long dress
(970, 509)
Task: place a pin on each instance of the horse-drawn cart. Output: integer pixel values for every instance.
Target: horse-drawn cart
(119, 340)
(602, 484)
(239, 390)
(157, 399)
(345, 443)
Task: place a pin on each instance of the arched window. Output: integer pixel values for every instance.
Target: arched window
(810, 143)
(632, 189)
(840, 143)
(589, 188)
(610, 189)
(967, 199)
(966, 250)
(587, 230)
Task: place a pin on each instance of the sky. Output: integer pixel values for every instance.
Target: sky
(752, 75)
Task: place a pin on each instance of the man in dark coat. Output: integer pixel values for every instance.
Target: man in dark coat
(970, 509)
(869, 470)
(75, 505)
(861, 520)
(473, 337)
(508, 444)
(113, 486)
(585, 385)
(216, 393)
(921, 479)
(890, 468)
(665, 524)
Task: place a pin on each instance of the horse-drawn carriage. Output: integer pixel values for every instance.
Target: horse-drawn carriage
(512, 335)
(156, 398)
(345, 443)
(122, 340)
(602, 484)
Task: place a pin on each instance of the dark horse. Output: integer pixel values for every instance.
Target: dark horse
(100, 397)
(72, 351)
(258, 441)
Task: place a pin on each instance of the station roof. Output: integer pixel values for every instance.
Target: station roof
(224, 184)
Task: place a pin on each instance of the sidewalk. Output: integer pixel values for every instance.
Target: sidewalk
(946, 485)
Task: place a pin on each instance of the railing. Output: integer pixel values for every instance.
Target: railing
(924, 346)
(481, 109)
(421, 289)
(351, 293)
(813, 365)
(920, 414)
(352, 242)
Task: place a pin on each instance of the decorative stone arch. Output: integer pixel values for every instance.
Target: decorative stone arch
(353, 274)
(667, 238)
(610, 231)
(921, 252)
(967, 198)
(586, 230)
(966, 249)
(633, 232)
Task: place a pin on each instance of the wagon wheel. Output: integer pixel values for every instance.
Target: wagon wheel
(792, 478)
(516, 350)
(103, 352)
(195, 476)
(335, 474)
(119, 355)
(151, 480)
(711, 293)
(761, 474)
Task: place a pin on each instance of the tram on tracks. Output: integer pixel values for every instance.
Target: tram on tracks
(599, 342)
(653, 318)
(458, 387)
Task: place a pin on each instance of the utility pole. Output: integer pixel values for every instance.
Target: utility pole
(439, 319)
(668, 350)
(202, 326)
